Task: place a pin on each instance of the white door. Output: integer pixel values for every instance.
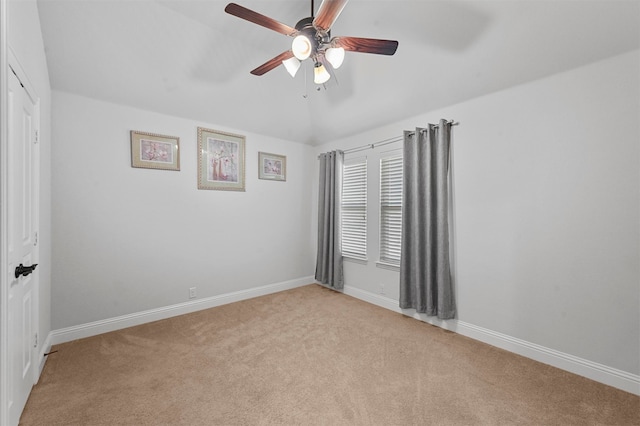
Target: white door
(22, 246)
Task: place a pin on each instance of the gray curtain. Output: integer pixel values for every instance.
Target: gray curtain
(425, 274)
(329, 257)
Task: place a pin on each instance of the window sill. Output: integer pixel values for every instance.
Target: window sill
(388, 266)
(360, 260)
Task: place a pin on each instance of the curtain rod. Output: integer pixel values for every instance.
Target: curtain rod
(386, 141)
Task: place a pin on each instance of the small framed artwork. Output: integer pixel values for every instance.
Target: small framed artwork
(272, 166)
(220, 160)
(153, 151)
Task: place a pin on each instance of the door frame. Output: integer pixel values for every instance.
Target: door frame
(10, 64)
(4, 285)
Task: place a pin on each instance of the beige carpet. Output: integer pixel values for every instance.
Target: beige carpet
(309, 356)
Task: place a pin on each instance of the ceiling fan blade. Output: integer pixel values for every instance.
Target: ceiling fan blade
(367, 45)
(328, 13)
(272, 63)
(257, 18)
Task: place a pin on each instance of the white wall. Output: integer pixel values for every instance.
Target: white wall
(546, 199)
(129, 239)
(25, 40)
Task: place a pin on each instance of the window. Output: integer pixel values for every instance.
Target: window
(354, 208)
(391, 208)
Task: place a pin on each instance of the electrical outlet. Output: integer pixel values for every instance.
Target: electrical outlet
(381, 288)
(192, 293)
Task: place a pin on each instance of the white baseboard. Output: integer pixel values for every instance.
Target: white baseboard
(111, 324)
(592, 370)
(583, 367)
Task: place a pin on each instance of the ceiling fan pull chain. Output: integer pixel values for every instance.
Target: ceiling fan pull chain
(306, 93)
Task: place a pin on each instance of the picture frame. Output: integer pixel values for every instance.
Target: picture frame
(154, 151)
(272, 166)
(221, 160)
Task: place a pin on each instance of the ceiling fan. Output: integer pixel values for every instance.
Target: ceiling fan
(312, 39)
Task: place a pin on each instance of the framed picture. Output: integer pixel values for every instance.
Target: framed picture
(272, 166)
(220, 160)
(152, 151)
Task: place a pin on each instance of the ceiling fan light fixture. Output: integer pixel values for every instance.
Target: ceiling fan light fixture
(320, 74)
(301, 47)
(312, 39)
(335, 56)
(292, 65)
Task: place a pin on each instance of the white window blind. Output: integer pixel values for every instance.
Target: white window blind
(391, 208)
(354, 208)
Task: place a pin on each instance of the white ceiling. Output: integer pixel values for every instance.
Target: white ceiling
(188, 58)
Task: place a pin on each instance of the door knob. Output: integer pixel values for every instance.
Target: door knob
(24, 270)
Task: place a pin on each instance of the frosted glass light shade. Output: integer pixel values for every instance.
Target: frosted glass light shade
(335, 56)
(292, 65)
(301, 47)
(320, 74)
